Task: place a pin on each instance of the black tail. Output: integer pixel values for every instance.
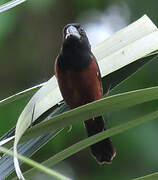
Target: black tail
(103, 151)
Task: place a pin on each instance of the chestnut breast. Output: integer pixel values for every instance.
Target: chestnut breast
(80, 87)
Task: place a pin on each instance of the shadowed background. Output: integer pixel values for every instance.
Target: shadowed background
(30, 38)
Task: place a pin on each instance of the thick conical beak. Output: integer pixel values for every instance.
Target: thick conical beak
(72, 31)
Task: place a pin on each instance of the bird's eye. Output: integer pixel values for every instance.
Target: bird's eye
(81, 30)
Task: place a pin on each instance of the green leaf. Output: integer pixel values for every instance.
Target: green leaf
(21, 94)
(28, 147)
(118, 77)
(93, 139)
(10, 5)
(32, 163)
(153, 176)
(82, 113)
(121, 49)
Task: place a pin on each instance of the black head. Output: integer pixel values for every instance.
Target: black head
(75, 52)
(74, 34)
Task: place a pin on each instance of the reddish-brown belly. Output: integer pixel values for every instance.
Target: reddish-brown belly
(79, 88)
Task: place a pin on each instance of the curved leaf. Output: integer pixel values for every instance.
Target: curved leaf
(82, 113)
(40, 167)
(26, 149)
(93, 139)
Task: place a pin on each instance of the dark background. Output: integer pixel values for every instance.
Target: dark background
(30, 38)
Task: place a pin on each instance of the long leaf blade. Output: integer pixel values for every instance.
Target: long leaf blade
(153, 176)
(10, 5)
(28, 147)
(82, 113)
(92, 140)
(21, 94)
(32, 163)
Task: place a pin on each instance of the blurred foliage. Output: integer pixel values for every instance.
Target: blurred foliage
(81, 5)
(30, 37)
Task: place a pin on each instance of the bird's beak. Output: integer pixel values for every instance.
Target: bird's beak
(72, 31)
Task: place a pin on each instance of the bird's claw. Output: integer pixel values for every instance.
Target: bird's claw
(60, 103)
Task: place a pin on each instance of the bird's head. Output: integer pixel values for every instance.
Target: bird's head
(75, 35)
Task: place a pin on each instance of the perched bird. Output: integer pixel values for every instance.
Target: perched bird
(79, 80)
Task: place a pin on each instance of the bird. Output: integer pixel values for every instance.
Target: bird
(79, 81)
